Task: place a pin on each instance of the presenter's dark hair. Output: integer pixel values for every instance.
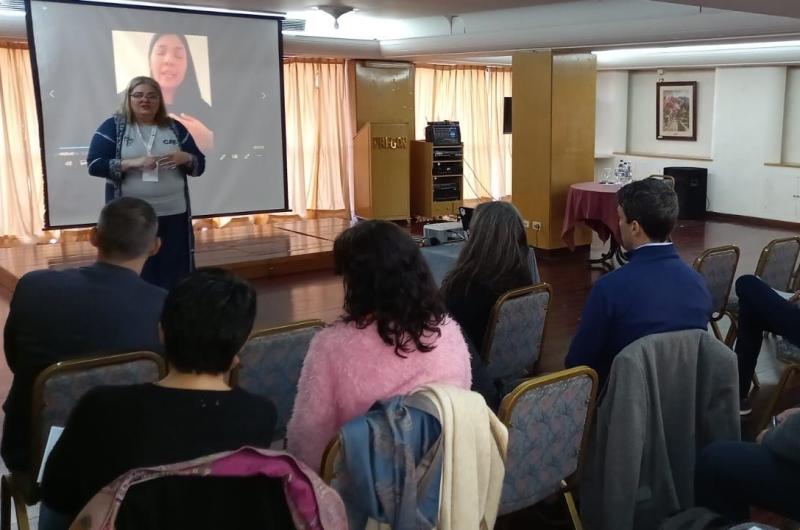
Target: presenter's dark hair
(496, 252)
(387, 281)
(126, 229)
(207, 318)
(653, 203)
(189, 89)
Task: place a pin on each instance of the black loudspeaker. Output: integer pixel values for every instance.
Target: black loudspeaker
(691, 185)
(507, 115)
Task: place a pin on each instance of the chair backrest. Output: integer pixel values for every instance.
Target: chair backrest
(515, 334)
(548, 420)
(270, 365)
(669, 179)
(777, 262)
(717, 266)
(265, 489)
(58, 388)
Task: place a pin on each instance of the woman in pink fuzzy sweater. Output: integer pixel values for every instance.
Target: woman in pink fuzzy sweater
(393, 338)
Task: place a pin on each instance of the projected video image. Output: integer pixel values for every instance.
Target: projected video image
(221, 76)
(180, 65)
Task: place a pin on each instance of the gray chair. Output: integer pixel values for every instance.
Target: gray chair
(669, 179)
(515, 334)
(270, 365)
(717, 266)
(777, 263)
(776, 267)
(548, 420)
(56, 391)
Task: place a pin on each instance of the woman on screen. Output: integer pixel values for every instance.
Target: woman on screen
(171, 64)
(142, 152)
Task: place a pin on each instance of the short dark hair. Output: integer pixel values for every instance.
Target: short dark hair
(653, 203)
(207, 318)
(387, 281)
(126, 229)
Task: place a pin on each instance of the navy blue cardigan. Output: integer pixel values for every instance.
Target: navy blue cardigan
(105, 155)
(655, 292)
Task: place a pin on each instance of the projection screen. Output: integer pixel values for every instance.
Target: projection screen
(227, 88)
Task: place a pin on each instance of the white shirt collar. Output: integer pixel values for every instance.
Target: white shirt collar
(654, 245)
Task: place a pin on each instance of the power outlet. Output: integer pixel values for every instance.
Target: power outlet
(536, 225)
(526, 223)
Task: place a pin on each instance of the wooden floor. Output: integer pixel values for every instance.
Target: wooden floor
(318, 294)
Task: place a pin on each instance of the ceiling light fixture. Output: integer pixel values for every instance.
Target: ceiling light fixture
(336, 12)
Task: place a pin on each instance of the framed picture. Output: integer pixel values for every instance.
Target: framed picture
(676, 110)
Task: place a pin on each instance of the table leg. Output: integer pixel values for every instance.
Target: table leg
(607, 258)
(622, 256)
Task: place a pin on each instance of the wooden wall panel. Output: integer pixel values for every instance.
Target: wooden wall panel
(572, 159)
(553, 138)
(384, 94)
(531, 139)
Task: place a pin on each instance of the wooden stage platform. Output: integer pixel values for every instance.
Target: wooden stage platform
(251, 251)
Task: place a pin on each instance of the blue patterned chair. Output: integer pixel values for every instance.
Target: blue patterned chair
(56, 391)
(514, 338)
(548, 420)
(717, 266)
(776, 266)
(270, 365)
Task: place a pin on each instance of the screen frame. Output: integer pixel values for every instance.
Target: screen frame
(172, 9)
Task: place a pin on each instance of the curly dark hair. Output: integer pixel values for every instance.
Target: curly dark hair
(387, 281)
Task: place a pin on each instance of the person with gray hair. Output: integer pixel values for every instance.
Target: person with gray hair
(655, 292)
(58, 315)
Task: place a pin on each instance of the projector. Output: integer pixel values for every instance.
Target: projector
(444, 232)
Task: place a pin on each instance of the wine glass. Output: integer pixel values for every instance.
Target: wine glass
(607, 175)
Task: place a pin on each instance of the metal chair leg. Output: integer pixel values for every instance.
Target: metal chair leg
(5, 504)
(716, 330)
(8, 495)
(733, 330)
(573, 511)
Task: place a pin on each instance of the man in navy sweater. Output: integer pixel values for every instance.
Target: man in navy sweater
(101, 309)
(655, 292)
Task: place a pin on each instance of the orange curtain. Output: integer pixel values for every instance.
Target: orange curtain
(21, 186)
(318, 134)
(473, 96)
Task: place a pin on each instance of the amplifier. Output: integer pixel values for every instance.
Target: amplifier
(447, 168)
(446, 191)
(448, 154)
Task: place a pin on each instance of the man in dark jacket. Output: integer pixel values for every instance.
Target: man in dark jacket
(104, 308)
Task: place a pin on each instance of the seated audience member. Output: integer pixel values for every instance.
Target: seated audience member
(101, 309)
(393, 338)
(655, 292)
(493, 261)
(733, 476)
(190, 413)
(761, 309)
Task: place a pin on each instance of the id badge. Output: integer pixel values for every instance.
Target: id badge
(150, 175)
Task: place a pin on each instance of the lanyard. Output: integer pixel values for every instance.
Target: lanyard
(149, 144)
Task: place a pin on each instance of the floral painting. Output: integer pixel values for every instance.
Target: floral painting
(676, 112)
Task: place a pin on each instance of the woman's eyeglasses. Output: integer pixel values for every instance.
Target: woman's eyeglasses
(148, 97)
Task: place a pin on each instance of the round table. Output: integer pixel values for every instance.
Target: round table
(595, 205)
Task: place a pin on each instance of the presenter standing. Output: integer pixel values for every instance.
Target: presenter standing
(142, 152)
